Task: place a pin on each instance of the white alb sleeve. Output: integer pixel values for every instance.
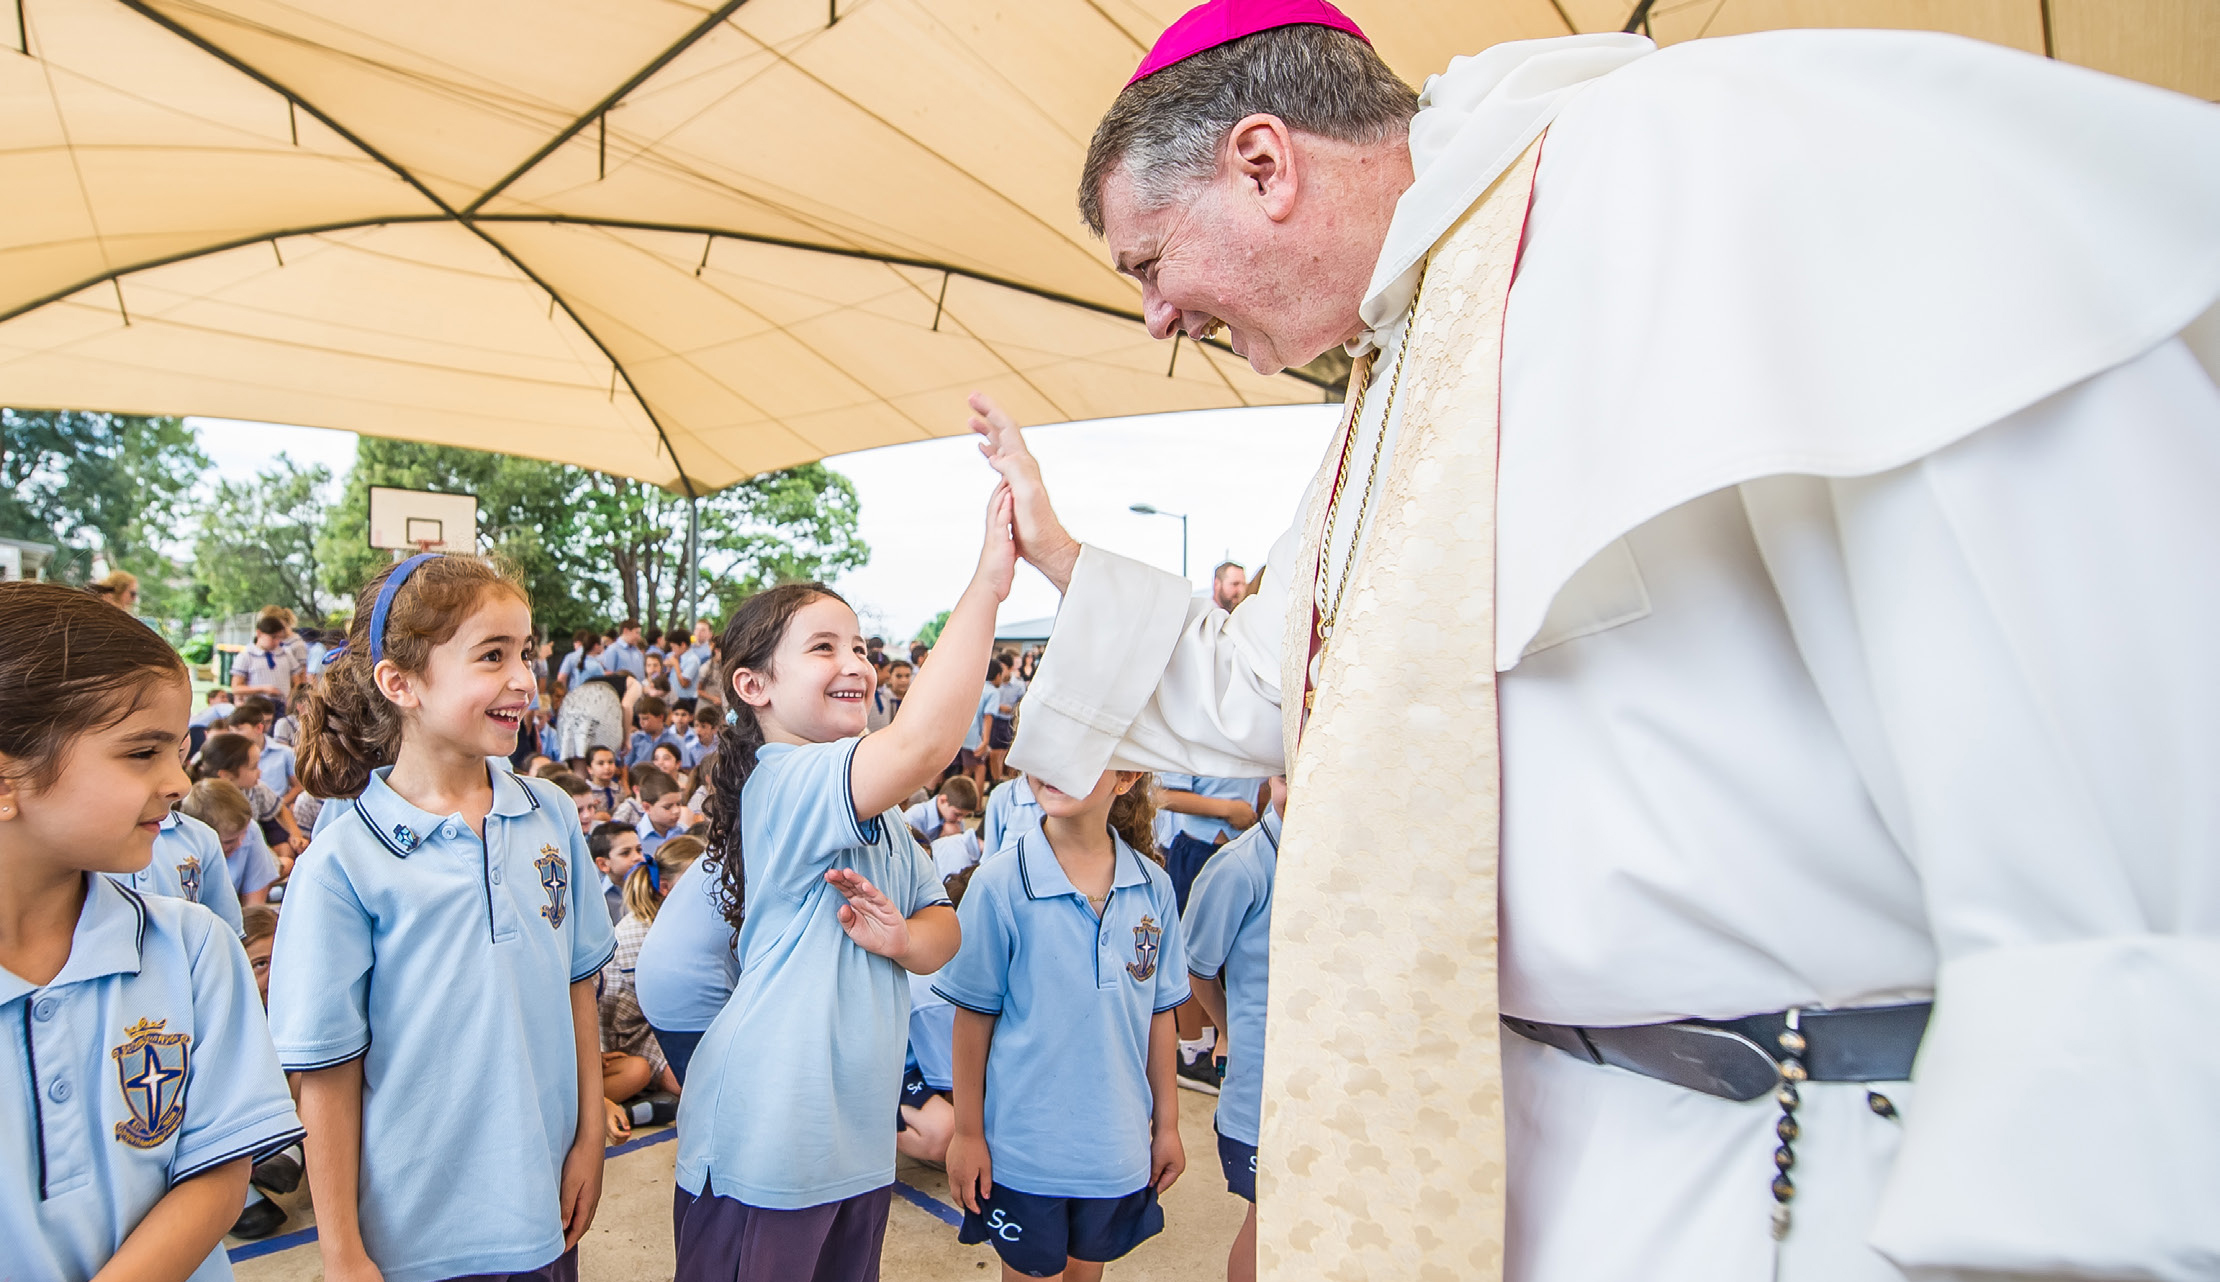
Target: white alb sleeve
(1141, 675)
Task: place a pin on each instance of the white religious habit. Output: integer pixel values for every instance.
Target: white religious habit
(1857, 576)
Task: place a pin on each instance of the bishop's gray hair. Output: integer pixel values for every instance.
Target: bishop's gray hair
(1166, 130)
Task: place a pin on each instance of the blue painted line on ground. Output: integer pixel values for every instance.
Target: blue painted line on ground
(910, 1193)
(929, 1204)
(273, 1245)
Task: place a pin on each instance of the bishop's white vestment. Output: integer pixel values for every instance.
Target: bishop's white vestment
(1857, 575)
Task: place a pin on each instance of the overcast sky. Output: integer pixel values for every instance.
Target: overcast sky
(1236, 473)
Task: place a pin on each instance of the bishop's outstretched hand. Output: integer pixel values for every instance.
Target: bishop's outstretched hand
(1041, 538)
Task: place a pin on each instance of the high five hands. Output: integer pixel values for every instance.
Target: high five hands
(1041, 538)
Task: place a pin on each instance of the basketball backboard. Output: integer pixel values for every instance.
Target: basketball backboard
(422, 520)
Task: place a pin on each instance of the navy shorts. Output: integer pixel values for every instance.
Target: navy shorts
(1184, 860)
(1001, 732)
(1239, 1162)
(916, 1093)
(1034, 1234)
(564, 1269)
(678, 1049)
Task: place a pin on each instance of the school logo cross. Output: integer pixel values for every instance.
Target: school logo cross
(1146, 937)
(555, 880)
(188, 877)
(151, 1067)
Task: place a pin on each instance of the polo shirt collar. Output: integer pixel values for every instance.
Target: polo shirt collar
(1044, 877)
(1271, 820)
(110, 934)
(401, 827)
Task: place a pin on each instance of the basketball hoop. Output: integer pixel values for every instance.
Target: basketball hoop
(406, 522)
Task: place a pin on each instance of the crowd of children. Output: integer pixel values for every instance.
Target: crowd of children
(772, 881)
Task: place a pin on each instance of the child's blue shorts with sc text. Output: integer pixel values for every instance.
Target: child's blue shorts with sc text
(1034, 1234)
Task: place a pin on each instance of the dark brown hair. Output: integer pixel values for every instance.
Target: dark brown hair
(256, 921)
(70, 663)
(750, 638)
(348, 728)
(225, 751)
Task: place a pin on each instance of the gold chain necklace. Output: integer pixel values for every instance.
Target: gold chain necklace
(1330, 610)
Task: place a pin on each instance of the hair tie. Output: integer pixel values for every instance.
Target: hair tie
(655, 875)
(393, 584)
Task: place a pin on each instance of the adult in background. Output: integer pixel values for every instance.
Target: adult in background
(1848, 574)
(1228, 584)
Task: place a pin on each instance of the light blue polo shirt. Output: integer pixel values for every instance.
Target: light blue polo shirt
(688, 964)
(989, 697)
(791, 1096)
(1011, 809)
(278, 767)
(252, 866)
(623, 656)
(1202, 827)
(924, 817)
(932, 1034)
(1229, 930)
(189, 864)
(686, 682)
(144, 1062)
(1068, 1100)
(446, 963)
(652, 839)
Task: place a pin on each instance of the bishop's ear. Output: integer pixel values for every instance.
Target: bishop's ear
(1261, 151)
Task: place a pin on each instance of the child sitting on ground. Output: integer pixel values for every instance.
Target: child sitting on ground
(219, 804)
(616, 852)
(944, 813)
(628, 1045)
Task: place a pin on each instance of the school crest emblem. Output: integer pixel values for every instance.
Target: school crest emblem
(188, 877)
(152, 1066)
(555, 880)
(1146, 937)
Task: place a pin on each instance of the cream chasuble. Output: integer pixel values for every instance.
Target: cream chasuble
(1415, 1190)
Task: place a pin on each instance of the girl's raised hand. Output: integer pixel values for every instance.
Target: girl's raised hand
(998, 554)
(869, 917)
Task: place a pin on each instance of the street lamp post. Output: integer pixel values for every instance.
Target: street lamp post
(1145, 510)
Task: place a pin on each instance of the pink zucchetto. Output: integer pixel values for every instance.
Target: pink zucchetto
(1217, 22)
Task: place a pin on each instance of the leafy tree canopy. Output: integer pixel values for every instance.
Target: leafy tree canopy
(259, 540)
(112, 484)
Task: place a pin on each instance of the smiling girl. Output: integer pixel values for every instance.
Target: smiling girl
(447, 929)
(142, 1085)
(785, 1146)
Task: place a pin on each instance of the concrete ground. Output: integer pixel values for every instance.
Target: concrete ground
(631, 1237)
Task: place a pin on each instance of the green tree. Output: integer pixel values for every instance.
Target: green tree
(592, 547)
(525, 516)
(106, 484)
(929, 635)
(258, 542)
(780, 527)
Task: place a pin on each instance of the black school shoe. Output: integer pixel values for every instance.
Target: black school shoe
(652, 1108)
(1200, 1073)
(262, 1218)
(279, 1173)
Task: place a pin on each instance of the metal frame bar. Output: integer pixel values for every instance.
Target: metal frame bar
(600, 109)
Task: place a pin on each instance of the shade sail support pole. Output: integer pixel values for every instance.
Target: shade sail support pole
(693, 561)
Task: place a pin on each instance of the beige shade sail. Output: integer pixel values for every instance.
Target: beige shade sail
(667, 239)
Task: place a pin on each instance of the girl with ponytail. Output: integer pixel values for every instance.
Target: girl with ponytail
(447, 925)
(1071, 966)
(785, 1158)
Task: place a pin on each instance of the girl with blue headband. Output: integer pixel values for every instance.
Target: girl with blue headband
(449, 923)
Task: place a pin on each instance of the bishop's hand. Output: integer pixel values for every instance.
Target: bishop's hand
(1041, 538)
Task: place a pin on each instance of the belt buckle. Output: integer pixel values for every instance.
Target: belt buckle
(1718, 1062)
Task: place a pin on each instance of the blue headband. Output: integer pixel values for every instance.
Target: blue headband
(655, 875)
(393, 584)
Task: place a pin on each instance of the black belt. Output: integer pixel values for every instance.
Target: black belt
(1741, 1059)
